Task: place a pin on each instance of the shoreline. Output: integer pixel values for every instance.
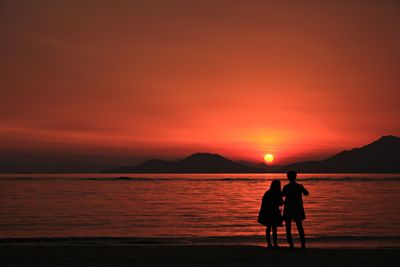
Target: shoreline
(208, 255)
(333, 242)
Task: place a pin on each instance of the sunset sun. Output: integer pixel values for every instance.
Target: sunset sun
(269, 158)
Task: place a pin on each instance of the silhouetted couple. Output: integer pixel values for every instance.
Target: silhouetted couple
(293, 211)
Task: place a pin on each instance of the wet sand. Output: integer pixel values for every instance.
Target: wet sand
(210, 255)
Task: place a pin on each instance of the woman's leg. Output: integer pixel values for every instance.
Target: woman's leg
(268, 235)
(275, 235)
(300, 228)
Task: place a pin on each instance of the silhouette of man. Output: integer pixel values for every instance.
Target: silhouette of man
(293, 209)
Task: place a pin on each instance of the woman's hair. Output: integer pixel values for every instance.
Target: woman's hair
(275, 186)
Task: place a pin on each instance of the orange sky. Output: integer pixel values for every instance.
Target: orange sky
(124, 82)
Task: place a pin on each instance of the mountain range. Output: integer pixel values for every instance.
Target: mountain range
(196, 163)
(380, 156)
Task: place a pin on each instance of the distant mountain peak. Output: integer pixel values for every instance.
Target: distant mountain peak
(204, 155)
(386, 141)
(388, 138)
(380, 156)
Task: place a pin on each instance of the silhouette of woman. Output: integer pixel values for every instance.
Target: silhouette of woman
(270, 213)
(293, 209)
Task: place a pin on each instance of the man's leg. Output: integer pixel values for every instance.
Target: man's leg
(275, 235)
(300, 228)
(288, 224)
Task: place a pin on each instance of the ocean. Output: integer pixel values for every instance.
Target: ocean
(342, 210)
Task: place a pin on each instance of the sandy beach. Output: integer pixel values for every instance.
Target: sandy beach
(28, 254)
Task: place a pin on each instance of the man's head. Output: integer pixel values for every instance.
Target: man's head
(292, 175)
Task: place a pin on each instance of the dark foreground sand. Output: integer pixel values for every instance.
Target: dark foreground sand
(214, 255)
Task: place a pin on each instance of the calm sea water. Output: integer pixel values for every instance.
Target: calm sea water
(343, 210)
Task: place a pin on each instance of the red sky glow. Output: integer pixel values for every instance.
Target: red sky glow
(124, 81)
